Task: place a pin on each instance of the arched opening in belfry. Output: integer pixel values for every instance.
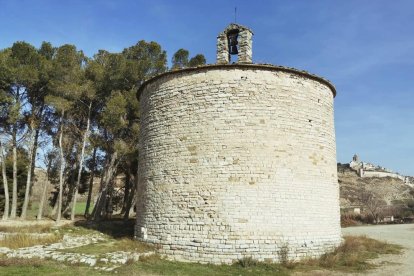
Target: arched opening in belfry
(234, 45)
(232, 38)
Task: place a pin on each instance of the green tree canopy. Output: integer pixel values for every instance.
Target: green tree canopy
(197, 60)
(180, 59)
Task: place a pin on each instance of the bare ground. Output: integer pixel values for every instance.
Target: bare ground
(402, 234)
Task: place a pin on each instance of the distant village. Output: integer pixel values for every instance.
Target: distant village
(365, 169)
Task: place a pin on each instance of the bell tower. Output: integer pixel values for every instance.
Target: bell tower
(235, 40)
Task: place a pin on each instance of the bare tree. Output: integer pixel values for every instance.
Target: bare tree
(372, 204)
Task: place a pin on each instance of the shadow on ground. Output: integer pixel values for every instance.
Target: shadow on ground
(117, 228)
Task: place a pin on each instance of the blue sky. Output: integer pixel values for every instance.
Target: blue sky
(366, 48)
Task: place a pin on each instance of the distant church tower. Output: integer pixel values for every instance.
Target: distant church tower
(355, 158)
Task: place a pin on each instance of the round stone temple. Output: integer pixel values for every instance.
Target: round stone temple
(238, 160)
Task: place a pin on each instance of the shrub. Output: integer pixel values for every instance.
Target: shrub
(247, 262)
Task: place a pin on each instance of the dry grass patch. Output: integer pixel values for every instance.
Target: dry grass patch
(34, 262)
(355, 251)
(26, 229)
(150, 258)
(124, 244)
(36, 266)
(352, 255)
(21, 240)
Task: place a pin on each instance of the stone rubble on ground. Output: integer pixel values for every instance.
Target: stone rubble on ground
(105, 262)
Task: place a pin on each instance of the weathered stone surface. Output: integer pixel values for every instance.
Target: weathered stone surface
(107, 262)
(238, 161)
(245, 45)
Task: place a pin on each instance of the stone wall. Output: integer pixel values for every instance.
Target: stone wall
(238, 161)
(364, 173)
(245, 45)
(365, 169)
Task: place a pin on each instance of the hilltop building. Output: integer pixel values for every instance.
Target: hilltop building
(366, 169)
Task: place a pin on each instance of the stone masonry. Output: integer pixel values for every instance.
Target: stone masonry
(245, 45)
(238, 160)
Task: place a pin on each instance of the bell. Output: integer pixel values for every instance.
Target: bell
(234, 50)
(233, 44)
(233, 39)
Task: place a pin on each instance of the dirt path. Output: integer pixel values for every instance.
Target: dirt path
(402, 234)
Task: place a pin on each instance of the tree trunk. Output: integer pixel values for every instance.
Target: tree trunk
(132, 195)
(42, 200)
(29, 174)
(101, 187)
(43, 197)
(55, 207)
(85, 138)
(5, 184)
(36, 144)
(130, 200)
(101, 184)
(88, 201)
(69, 185)
(126, 190)
(62, 169)
(100, 206)
(32, 164)
(14, 196)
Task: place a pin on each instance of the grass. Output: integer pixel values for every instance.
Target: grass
(77, 231)
(110, 229)
(26, 229)
(21, 240)
(355, 252)
(36, 266)
(353, 255)
(155, 265)
(34, 207)
(112, 245)
(35, 262)
(80, 208)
